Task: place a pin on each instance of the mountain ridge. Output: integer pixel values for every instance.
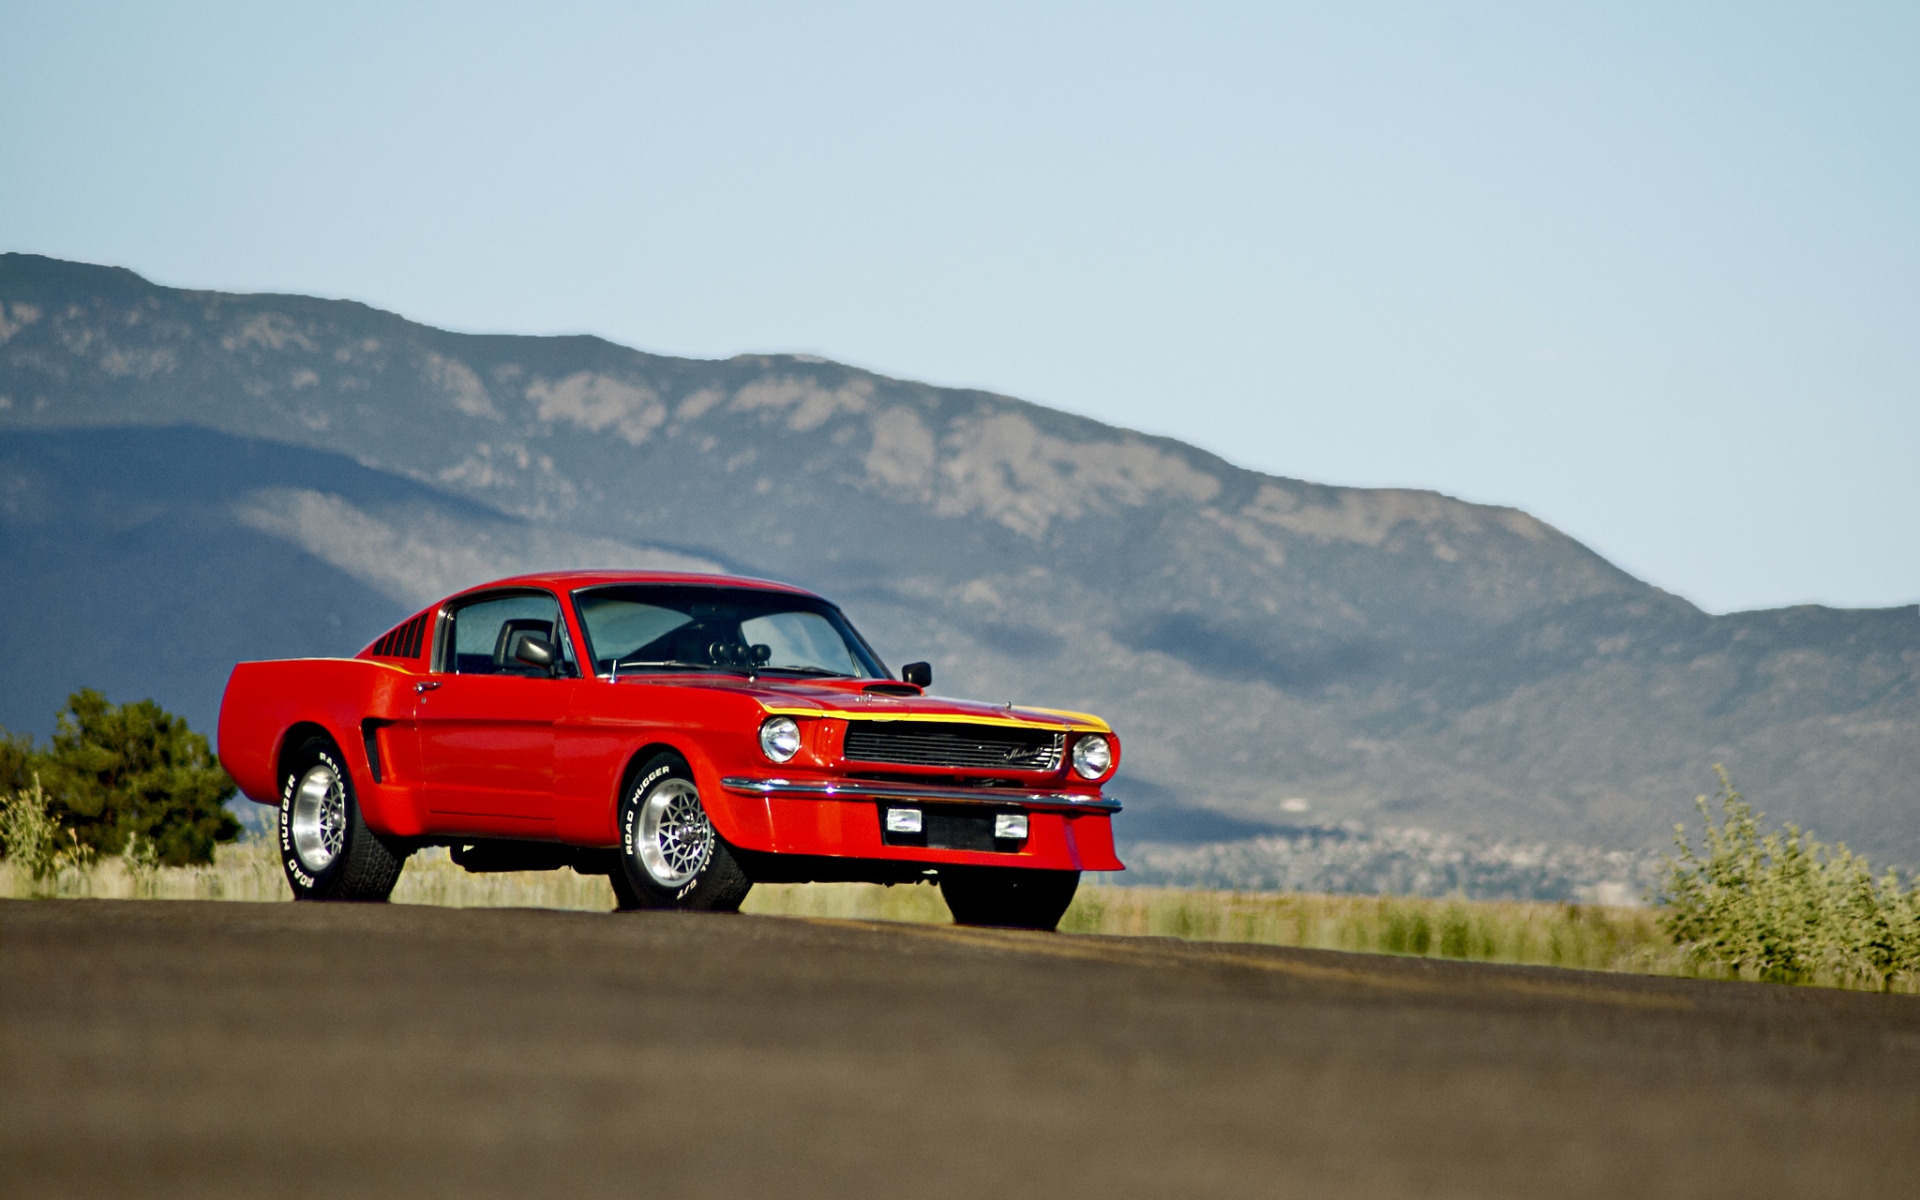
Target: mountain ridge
(1391, 655)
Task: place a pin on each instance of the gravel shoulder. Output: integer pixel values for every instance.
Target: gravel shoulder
(171, 1048)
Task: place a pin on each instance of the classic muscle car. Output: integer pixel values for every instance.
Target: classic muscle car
(685, 735)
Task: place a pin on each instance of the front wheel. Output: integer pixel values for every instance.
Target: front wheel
(1010, 897)
(670, 856)
(326, 848)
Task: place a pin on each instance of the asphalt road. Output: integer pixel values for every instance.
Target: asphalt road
(206, 1050)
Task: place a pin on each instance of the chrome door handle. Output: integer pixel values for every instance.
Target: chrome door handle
(425, 685)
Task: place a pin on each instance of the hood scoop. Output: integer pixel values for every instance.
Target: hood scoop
(891, 689)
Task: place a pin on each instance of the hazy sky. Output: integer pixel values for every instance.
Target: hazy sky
(1651, 272)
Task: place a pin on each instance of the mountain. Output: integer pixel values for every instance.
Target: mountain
(187, 478)
(148, 561)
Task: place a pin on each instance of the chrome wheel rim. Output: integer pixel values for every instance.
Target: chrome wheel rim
(318, 817)
(676, 839)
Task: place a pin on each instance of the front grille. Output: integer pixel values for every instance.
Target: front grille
(939, 744)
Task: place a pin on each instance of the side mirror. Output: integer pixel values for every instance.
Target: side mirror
(919, 674)
(534, 650)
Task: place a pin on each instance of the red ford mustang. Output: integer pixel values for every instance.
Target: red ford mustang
(685, 735)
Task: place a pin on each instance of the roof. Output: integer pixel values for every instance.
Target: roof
(566, 581)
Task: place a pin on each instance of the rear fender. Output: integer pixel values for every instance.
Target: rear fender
(269, 707)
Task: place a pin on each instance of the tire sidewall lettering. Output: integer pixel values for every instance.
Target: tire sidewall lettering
(636, 801)
(303, 879)
(286, 814)
(629, 828)
(631, 807)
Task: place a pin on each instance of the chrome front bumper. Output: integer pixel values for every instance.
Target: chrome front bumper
(867, 789)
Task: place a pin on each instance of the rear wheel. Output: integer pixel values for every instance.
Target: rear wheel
(326, 849)
(1010, 897)
(670, 856)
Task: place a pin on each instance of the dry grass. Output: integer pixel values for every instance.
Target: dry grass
(1541, 933)
(1564, 935)
(251, 871)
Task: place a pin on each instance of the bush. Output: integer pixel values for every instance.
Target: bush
(34, 841)
(1783, 906)
(16, 763)
(121, 775)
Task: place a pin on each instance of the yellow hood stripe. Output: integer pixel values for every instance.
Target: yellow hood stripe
(1082, 722)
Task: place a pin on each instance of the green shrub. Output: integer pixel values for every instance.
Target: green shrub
(27, 834)
(33, 839)
(1783, 906)
(1408, 930)
(120, 775)
(16, 763)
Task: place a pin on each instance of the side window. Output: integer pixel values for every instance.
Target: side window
(485, 633)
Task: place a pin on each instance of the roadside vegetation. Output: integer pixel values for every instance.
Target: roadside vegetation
(1593, 937)
(132, 821)
(1620, 939)
(1785, 907)
(116, 781)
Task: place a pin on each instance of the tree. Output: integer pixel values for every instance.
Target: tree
(16, 763)
(113, 771)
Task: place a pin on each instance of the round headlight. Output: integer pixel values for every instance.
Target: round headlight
(780, 738)
(1092, 755)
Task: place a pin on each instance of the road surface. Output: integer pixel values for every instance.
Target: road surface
(168, 1048)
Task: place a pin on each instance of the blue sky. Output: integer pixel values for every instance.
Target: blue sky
(1650, 272)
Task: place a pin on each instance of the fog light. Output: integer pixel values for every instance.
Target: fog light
(1012, 826)
(903, 820)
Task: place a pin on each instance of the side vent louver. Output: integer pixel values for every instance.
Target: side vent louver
(402, 641)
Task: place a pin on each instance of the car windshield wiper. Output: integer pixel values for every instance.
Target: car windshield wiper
(620, 664)
(811, 671)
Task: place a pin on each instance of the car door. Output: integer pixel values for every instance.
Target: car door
(486, 720)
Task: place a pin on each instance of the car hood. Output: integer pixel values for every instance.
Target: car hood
(810, 699)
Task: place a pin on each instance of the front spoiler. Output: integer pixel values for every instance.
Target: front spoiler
(865, 789)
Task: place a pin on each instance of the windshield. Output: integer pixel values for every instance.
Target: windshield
(661, 627)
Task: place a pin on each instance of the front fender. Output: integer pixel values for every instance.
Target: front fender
(743, 821)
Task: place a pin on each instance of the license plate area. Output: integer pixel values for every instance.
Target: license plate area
(953, 827)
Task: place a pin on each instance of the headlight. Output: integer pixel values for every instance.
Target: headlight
(1092, 755)
(780, 738)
